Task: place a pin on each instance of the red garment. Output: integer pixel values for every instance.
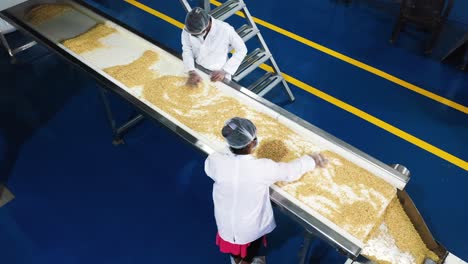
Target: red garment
(234, 249)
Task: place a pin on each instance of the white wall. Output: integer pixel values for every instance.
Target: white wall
(4, 4)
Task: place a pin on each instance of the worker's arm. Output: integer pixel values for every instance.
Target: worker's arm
(238, 45)
(189, 63)
(287, 171)
(187, 53)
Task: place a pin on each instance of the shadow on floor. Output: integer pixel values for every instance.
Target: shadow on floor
(28, 99)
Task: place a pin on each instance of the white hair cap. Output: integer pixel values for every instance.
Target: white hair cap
(239, 132)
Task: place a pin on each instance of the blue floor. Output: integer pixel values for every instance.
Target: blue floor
(79, 199)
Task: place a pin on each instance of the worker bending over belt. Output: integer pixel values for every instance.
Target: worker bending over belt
(241, 194)
(207, 41)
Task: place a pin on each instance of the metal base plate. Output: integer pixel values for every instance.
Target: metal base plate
(6, 196)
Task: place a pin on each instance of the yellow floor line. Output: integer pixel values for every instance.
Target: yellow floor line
(374, 120)
(347, 107)
(358, 64)
(156, 13)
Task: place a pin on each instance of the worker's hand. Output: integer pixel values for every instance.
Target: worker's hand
(193, 79)
(320, 160)
(217, 75)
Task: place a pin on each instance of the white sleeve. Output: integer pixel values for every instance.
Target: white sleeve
(238, 45)
(288, 171)
(187, 53)
(209, 167)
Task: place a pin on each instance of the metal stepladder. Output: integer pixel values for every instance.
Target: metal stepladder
(257, 57)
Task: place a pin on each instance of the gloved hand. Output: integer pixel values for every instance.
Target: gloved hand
(217, 75)
(320, 160)
(193, 79)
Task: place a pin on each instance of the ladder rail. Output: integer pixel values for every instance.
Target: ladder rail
(265, 47)
(261, 39)
(186, 5)
(205, 3)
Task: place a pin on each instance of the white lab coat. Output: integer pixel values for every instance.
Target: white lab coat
(212, 52)
(241, 194)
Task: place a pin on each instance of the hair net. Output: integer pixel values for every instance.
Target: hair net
(239, 132)
(196, 21)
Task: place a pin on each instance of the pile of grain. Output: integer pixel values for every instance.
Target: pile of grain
(193, 106)
(41, 13)
(203, 108)
(395, 240)
(131, 74)
(345, 193)
(273, 149)
(89, 40)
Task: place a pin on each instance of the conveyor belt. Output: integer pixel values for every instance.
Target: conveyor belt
(85, 16)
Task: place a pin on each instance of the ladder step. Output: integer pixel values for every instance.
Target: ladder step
(266, 83)
(251, 62)
(246, 32)
(227, 9)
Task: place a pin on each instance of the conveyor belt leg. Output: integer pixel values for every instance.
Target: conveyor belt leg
(303, 252)
(118, 132)
(13, 52)
(6, 45)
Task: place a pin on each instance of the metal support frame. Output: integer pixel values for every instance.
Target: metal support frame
(13, 52)
(305, 247)
(5, 195)
(118, 132)
(186, 5)
(6, 45)
(206, 5)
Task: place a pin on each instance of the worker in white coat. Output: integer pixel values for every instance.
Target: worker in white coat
(243, 210)
(207, 42)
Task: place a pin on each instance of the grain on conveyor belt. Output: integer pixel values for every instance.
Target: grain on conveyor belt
(89, 40)
(137, 72)
(400, 230)
(206, 114)
(406, 236)
(44, 12)
(202, 108)
(343, 192)
(329, 195)
(273, 149)
(348, 195)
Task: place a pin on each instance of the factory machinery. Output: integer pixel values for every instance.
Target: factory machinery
(84, 17)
